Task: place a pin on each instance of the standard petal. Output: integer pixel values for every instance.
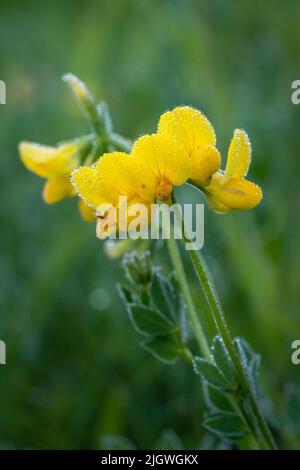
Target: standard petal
(189, 126)
(49, 161)
(159, 159)
(239, 156)
(116, 171)
(57, 188)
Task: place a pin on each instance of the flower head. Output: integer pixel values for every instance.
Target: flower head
(55, 164)
(155, 165)
(193, 131)
(229, 189)
(102, 186)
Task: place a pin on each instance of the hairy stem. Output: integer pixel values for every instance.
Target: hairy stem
(201, 270)
(182, 280)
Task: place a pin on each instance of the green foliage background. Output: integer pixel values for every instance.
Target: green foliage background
(75, 372)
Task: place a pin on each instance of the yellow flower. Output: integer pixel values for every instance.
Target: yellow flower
(101, 186)
(229, 189)
(154, 166)
(159, 164)
(193, 131)
(54, 164)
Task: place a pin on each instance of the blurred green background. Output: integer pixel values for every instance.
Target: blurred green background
(76, 376)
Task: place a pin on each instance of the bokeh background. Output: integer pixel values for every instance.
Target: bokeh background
(76, 377)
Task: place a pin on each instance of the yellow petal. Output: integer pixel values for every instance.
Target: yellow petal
(49, 161)
(189, 127)
(110, 177)
(86, 212)
(57, 188)
(158, 159)
(205, 161)
(239, 156)
(124, 218)
(234, 194)
(87, 184)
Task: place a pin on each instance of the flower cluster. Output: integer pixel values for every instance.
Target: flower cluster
(182, 150)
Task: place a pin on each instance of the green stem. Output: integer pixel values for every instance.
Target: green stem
(252, 440)
(218, 316)
(181, 277)
(219, 319)
(120, 143)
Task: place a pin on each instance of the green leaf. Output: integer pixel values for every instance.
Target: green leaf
(178, 299)
(125, 294)
(245, 347)
(225, 426)
(103, 112)
(216, 399)
(248, 409)
(144, 296)
(148, 321)
(164, 348)
(223, 361)
(250, 362)
(163, 296)
(209, 373)
(253, 371)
